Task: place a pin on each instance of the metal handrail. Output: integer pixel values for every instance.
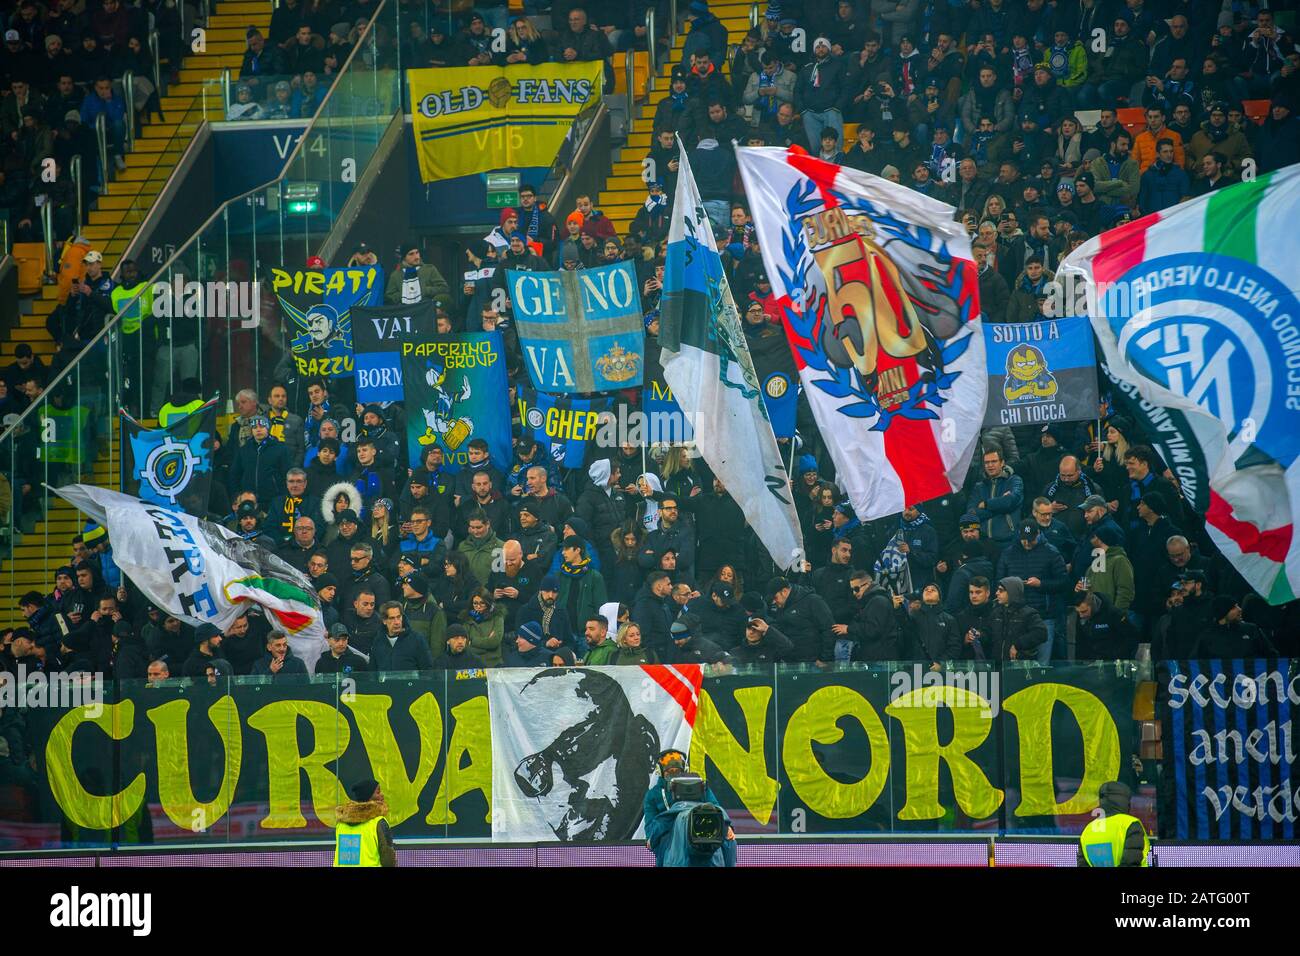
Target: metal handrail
(47, 229)
(128, 94)
(157, 68)
(754, 14)
(672, 23)
(225, 91)
(112, 324)
(101, 140)
(74, 171)
(629, 70)
(651, 45)
(560, 194)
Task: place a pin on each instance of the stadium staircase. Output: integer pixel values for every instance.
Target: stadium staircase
(111, 223)
(624, 190)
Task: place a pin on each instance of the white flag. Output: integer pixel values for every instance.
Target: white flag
(574, 749)
(707, 364)
(200, 572)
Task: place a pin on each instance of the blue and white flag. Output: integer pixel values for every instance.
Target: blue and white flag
(580, 331)
(171, 466)
(1040, 372)
(706, 361)
(561, 424)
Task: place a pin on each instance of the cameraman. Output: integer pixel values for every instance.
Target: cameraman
(662, 811)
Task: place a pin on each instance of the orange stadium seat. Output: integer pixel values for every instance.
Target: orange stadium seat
(30, 257)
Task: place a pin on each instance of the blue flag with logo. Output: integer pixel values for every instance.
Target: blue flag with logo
(171, 466)
(664, 419)
(1040, 372)
(563, 425)
(781, 396)
(580, 331)
(455, 391)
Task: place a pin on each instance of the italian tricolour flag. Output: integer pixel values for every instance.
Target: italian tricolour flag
(1196, 306)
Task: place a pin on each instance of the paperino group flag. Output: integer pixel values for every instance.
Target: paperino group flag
(477, 118)
(880, 303)
(1196, 306)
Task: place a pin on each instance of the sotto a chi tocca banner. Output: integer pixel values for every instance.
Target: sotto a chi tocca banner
(477, 118)
(455, 391)
(1040, 372)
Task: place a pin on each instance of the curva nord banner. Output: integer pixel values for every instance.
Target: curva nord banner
(867, 750)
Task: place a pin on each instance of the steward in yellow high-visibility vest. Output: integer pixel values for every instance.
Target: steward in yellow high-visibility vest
(361, 834)
(1116, 838)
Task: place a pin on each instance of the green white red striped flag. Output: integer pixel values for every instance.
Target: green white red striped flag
(1196, 306)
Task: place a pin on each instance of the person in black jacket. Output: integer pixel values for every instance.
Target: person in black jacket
(396, 648)
(1102, 632)
(340, 659)
(260, 463)
(688, 646)
(652, 612)
(831, 582)
(932, 632)
(458, 656)
(804, 618)
(975, 623)
(206, 650)
(763, 644)
(719, 617)
(874, 629)
(1228, 636)
(279, 660)
(1016, 629)
(130, 656)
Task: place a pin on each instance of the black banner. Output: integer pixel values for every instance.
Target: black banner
(378, 333)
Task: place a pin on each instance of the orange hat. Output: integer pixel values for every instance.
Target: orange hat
(575, 216)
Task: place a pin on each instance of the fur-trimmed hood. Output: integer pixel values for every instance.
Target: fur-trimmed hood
(332, 492)
(354, 813)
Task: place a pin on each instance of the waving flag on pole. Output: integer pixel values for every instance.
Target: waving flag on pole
(1196, 306)
(201, 573)
(706, 361)
(880, 303)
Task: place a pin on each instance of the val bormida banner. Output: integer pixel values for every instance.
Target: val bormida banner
(787, 752)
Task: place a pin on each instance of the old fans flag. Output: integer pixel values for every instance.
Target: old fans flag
(880, 303)
(170, 466)
(574, 748)
(1196, 306)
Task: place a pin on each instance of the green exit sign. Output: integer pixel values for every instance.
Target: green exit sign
(502, 200)
(303, 207)
(502, 190)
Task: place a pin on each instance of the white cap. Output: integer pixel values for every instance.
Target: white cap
(93, 256)
(12, 36)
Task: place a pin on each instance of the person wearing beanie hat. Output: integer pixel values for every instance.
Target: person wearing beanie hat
(415, 280)
(1102, 631)
(1228, 636)
(530, 648)
(889, 171)
(260, 463)
(507, 225)
(458, 655)
(1015, 630)
(1112, 576)
(361, 834)
(581, 588)
(207, 640)
(820, 90)
(1041, 569)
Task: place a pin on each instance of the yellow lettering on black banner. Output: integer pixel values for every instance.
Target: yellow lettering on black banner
(1032, 708)
(472, 735)
(745, 768)
(972, 720)
(278, 723)
(82, 808)
(817, 721)
(400, 792)
(172, 743)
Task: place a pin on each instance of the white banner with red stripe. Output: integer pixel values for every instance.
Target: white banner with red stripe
(880, 304)
(574, 748)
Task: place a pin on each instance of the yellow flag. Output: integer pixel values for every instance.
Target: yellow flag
(476, 118)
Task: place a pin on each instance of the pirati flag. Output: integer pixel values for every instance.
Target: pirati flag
(200, 572)
(377, 336)
(316, 309)
(1196, 306)
(580, 331)
(880, 303)
(706, 361)
(574, 748)
(171, 466)
(1040, 372)
(562, 424)
(455, 391)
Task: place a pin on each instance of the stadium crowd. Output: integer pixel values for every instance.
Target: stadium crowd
(1071, 541)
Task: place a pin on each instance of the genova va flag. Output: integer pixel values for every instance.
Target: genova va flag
(880, 303)
(1196, 306)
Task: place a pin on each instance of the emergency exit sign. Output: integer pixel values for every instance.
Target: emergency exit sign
(502, 190)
